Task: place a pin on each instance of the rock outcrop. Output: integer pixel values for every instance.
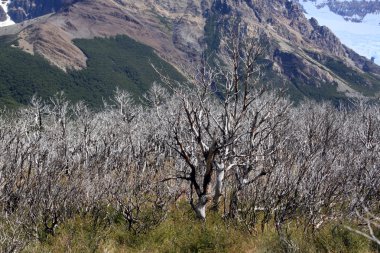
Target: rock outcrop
(353, 11)
(3, 15)
(20, 10)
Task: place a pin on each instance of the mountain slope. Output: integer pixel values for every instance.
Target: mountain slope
(307, 57)
(108, 66)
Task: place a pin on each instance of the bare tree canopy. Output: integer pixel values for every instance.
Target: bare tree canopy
(223, 143)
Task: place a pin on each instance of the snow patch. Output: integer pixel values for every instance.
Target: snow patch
(8, 21)
(363, 37)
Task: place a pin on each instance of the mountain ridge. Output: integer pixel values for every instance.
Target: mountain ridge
(354, 11)
(355, 23)
(307, 56)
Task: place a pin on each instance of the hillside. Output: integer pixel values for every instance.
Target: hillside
(108, 67)
(184, 126)
(301, 55)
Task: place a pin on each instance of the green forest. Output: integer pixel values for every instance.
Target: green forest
(112, 62)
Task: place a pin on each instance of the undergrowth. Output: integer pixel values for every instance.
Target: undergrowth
(182, 232)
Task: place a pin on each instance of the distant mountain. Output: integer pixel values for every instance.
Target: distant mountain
(5, 19)
(306, 57)
(356, 23)
(20, 10)
(350, 10)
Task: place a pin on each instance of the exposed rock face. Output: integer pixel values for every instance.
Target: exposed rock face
(180, 30)
(3, 15)
(322, 36)
(20, 10)
(354, 11)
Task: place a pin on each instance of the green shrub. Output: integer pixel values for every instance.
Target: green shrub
(182, 232)
(113, 62)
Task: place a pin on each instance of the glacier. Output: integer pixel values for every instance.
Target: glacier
(363, 37)
(8, 21)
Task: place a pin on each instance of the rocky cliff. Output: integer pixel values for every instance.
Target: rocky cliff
(354, 11)
(20, 10)
(301, 53)
(3, 14)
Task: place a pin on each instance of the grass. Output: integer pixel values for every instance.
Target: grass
(182, 232)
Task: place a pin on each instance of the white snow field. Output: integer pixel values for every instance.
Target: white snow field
(364, 37)
(8, 22)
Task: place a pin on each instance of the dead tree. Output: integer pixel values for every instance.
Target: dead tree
(219, 124)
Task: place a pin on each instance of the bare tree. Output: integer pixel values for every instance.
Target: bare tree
(222, 140)
(372, 222)
(220, 127)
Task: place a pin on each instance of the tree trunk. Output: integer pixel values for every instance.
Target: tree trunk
(218, 188)
(200, 207)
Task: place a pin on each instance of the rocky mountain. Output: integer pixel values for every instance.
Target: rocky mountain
(20, 10)
(3, 15)
(5, 19)
(356, 23)
(354, 11)
(305, 56)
